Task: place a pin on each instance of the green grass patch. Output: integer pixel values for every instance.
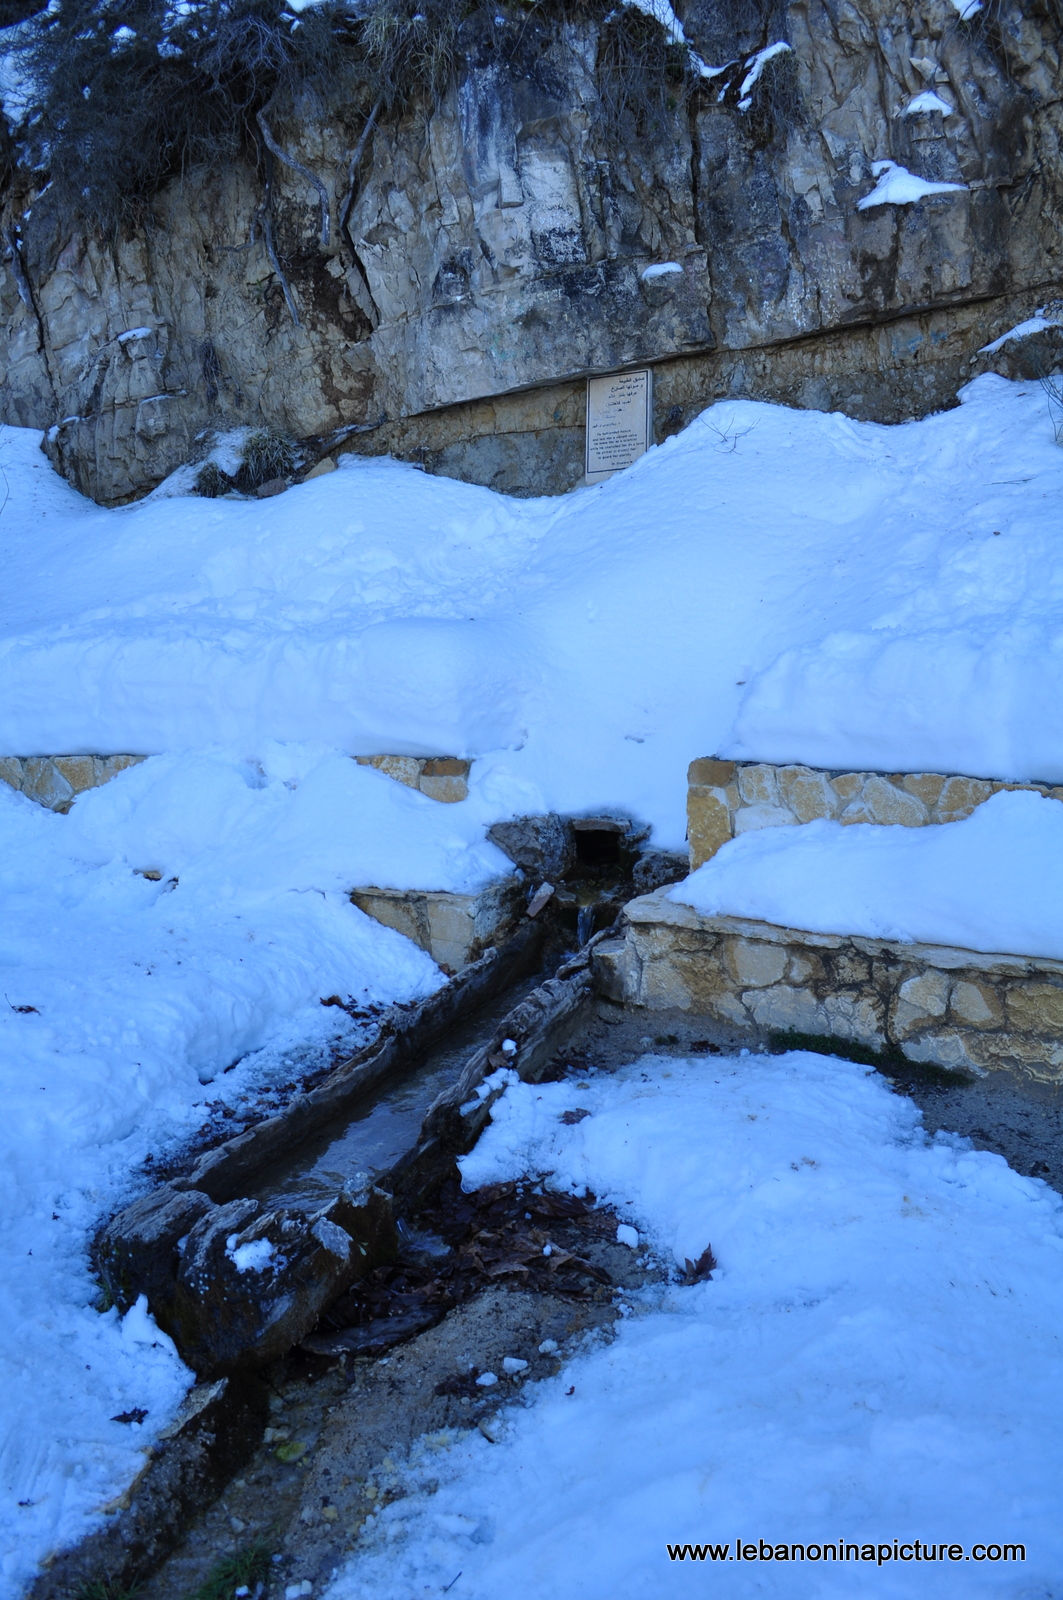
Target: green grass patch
(248, 1566)
(106, 1589)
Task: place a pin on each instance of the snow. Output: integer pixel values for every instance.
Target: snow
(897, 186)
(756, 64)
(662, 12)
(626, 1234)
(770, 584)
(661, 269)
(820, 589)
(876, 1358)
(143, 992)
(137, 333)
(993, 882)
(966, 8)
(927, 101)
(1035, 324)
(253, 1257)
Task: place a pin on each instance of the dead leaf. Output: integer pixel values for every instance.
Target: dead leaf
(137, 1414)
(701, 1270)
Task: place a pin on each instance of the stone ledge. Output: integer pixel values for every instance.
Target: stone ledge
(453, 928)
(938, 1004)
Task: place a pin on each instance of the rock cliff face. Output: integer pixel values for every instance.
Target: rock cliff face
(498, 245)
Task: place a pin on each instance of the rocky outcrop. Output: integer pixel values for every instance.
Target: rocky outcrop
(498, 245)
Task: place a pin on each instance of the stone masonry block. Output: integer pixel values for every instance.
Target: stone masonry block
(847, 786)
(41, 782)
(757, 785)
(890, 805)
(11, 771)
(1038, 1057)
(707, 772)
(108, 767)
(1036, 1008)
(708, 823)
(808, 794)
(448, 790)
(944, 1049)
(959, 796)
(855, 1016)
(748, 819)
(756, 965)
(404, 769)
(926, 786)
(920, 1000)
(786, 1009)
(79, 771)
(977, 1004)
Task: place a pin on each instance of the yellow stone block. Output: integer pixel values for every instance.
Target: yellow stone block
(926, 786)
(79, 771)
(960, 796)
(757, 785)
(708, 822)
(404, 769)
(807, 793)
(710, 773)
(11, 771)
(1036, 1008)
(847, 785)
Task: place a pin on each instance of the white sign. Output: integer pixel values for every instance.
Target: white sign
(619, 422)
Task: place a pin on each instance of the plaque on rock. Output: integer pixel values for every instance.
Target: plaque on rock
(619, 422)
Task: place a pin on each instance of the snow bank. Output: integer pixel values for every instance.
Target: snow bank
(122, 997)
(993, 882)
(876, 1358)
(774, 584)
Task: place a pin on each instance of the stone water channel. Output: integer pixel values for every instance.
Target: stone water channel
(325, 1194)
(299, 1425)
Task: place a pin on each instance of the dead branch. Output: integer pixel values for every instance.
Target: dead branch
(304, 172)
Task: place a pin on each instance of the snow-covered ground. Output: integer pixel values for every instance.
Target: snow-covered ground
(877, 1358)
(770, 583)
(122, 999)
(992, 882)
(775, 584)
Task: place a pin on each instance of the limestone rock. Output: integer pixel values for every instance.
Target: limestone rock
(709, 822)
(137, 1251)
(252, 1283)
(500, 241)
(654, 868)
(541, 846)
(11, 771)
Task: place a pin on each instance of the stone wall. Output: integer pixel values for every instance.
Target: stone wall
(444, 778)
(726, 798)
(953, 1008)
(499, 244)
(56, 781)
